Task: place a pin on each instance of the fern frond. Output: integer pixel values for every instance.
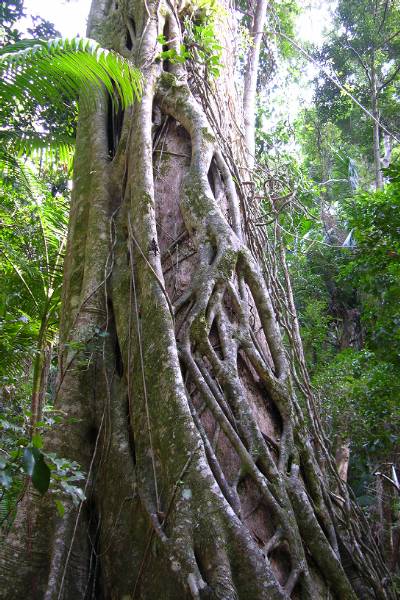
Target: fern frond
(33, 143)
(58, 70)
(12, 168)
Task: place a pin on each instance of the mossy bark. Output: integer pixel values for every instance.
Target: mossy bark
(203, 479)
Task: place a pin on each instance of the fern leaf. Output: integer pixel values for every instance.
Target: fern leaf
(58, 70)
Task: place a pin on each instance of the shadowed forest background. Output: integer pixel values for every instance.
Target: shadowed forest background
(322, 188)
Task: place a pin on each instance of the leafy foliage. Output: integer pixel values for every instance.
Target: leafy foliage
(23, 461)
(40, 82)
(200, 45)
(374, 264)
(9, 14)
(32, 241)
(362, 50)
(30, 68)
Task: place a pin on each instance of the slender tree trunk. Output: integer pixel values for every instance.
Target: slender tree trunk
(250, 79)
(388, 145)
(203, 480)
(41, 366)
(342, 457)
(376, 129)
(387, 527)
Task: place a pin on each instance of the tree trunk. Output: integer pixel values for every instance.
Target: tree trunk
(202, 478)
(376, 129)
(250, 78)
(40, 376)
(342, 456)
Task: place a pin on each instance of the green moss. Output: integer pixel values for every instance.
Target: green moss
(207, 135)
(227, 264)
(197, 200)
(198, 329)
(168, 80)
(145, 200)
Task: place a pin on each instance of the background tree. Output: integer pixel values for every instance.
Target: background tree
(363, 51)
(353, 373)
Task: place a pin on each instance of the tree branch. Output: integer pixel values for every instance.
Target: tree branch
(389, 79)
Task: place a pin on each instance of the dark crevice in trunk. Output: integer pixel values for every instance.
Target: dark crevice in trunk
(119, 366)
(94, 583)
(112, 332)
(115, 118)
(214, 178)
(91, 435)
(289, 464)
(212, 251)
(206, 593)
(131, 437)
(133, 25)
(130, 31)
(281, 556)
(166, 33)
(128, 41)
(216, 341)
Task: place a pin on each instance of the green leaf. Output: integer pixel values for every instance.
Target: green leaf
(37, 440)
(56, 70)
(41, 473)
(60, 508)
(168, 54)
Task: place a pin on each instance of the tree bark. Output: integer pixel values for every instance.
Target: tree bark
(342, 456)
(376, 128)
(40, 376)
(250, 78)
(203, 480)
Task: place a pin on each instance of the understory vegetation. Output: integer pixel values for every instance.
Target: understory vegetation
(324, 207)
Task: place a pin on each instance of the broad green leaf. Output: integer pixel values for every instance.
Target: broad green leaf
(37, 440)
(41, 473)
(60, 508)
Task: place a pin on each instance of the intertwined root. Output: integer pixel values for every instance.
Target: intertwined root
(226, 322)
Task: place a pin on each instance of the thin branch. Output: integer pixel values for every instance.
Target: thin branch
(389, 79)
(18, 272)
(360, 60)
(393, 483)
(390, 38)
(381, 24)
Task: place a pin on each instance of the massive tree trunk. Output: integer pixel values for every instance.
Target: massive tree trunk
(203, 480)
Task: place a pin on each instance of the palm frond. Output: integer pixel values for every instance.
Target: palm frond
(58, 70)
(34, 143)
(12, 169)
